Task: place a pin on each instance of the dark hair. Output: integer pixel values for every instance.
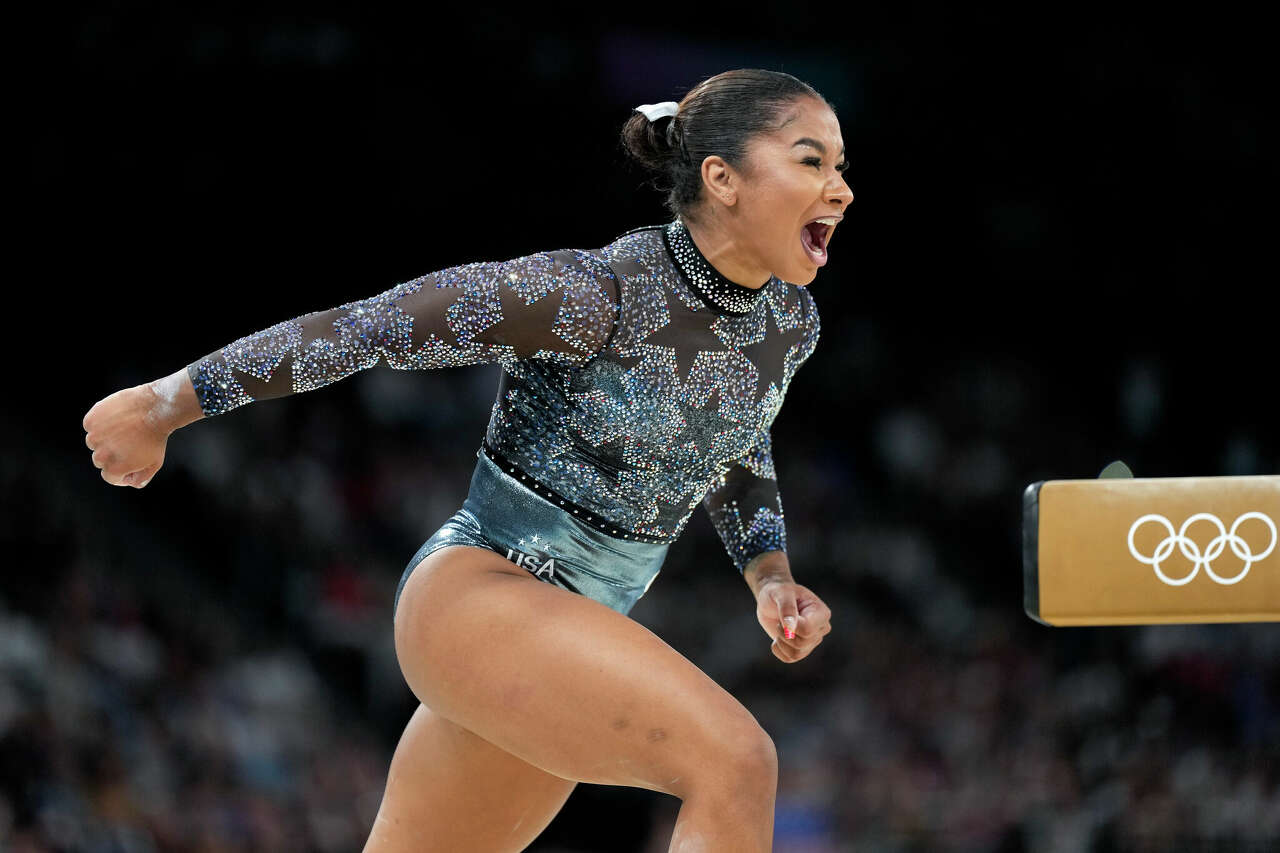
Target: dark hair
(718, 116)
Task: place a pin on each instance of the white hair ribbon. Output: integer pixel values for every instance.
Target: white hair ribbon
(653, 112)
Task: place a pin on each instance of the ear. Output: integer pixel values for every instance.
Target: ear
(720, 180)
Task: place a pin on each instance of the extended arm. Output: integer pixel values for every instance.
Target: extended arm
(552, 305)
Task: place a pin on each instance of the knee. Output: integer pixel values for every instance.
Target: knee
(742, 764)
(753, 757)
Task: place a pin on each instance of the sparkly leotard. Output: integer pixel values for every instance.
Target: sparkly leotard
(637, 381)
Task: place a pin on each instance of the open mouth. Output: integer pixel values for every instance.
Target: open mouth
(814, 237)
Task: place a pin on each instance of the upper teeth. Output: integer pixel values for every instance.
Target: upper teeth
(827, 220)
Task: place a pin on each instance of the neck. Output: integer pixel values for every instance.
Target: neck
(725, 251)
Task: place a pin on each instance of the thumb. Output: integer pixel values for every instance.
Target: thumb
(785, 600)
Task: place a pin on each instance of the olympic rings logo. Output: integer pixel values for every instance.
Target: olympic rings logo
(1192, 551)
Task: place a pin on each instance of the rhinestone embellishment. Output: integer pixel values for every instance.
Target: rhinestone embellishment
(620, 401)
(727, 297)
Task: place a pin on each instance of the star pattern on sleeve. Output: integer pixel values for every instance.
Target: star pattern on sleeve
(517, 318)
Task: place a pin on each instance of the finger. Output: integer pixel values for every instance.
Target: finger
(100, 458)
(113, 479)
(791, 654)
(784, 598)
(89, 442)
(808, 628)
(806, 643)
(814, 617)
(139, 479)
(812, 626)
(811, 634)
(812, 606)
(796, 645)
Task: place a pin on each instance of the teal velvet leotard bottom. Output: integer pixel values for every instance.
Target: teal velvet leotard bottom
(505, 516)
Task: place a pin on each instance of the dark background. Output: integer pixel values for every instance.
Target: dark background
(1059, 254)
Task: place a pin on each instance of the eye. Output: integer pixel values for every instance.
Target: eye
(816, 162)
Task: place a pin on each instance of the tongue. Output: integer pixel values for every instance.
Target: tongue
(811, 237)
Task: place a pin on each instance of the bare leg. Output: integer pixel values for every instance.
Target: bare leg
(579, 692)
(448, 789)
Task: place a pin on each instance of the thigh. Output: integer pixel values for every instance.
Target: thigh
(449, 790)
(561, 681)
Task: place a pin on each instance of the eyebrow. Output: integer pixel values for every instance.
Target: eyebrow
(813, 143)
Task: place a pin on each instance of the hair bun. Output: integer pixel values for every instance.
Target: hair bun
(648, 142)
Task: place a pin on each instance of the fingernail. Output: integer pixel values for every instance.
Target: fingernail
(788, 633)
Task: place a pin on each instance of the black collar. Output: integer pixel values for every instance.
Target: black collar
(721, 294)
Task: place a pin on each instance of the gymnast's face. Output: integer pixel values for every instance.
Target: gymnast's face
(790, 193)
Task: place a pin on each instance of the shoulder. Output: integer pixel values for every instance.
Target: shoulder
(644, 245)
(642, 229)
(637, 252)
(583, 272)
(632, 245)
(637, 258)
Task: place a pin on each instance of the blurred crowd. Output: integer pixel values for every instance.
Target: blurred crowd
(118, 735)
(207, 665)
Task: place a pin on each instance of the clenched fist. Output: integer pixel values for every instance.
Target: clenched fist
(128, 431)
(794, 617)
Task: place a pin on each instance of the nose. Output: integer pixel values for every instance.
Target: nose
(838, 192)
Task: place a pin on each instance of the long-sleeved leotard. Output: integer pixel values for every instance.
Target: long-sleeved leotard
(636, 380)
